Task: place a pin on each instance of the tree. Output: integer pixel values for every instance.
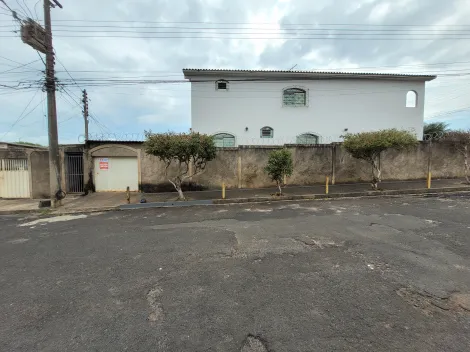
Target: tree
(369, 145)
(435, 130)
(181, 150)
(279, 165)
(460, 141)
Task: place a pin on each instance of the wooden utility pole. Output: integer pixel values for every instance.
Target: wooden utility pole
(54, 159)
(85, 113)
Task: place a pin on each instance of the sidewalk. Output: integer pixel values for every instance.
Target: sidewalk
(112, 200)
(306, 190)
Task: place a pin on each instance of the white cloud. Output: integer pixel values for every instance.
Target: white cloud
(379, 12)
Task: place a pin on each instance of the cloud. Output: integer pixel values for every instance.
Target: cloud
(162, 106)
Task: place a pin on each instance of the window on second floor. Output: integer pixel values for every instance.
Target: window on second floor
(267, 132)
(294, 97)
(411, 99)
(221, 85)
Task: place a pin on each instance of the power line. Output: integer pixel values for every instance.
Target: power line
(22, 9)
(27, 11)
(22, 115)
(257, 38)
(262, 23)
(93, 28)
(23, 65)
(279, 32)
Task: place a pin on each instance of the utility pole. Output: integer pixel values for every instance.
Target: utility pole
(54, 159)
(85, 113)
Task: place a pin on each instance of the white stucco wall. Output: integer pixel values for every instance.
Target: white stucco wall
(332, 106)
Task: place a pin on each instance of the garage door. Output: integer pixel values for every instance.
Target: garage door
(115, 174)
(14, 178)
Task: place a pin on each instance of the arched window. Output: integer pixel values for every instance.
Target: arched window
(221, 85)
(411, 99)
(294, 97)
(224, 140)
(266, 132)
(307, 138)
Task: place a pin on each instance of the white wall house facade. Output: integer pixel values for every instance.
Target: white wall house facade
(243, 107)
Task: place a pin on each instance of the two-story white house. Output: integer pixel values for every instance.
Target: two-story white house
(248, 107)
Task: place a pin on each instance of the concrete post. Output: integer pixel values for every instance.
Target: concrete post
(333, 164)
(239, 169)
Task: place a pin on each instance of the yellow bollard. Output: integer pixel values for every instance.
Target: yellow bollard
(327, 185)
(223, 190)
(285, 179)
(429, 180)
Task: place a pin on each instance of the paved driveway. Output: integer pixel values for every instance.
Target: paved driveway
(353, 275)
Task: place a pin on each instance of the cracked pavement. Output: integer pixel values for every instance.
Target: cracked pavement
(389, 274)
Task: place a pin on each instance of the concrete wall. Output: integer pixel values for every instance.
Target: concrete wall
(244, 166)
(13, 154)
(332, 106)
(40, 182)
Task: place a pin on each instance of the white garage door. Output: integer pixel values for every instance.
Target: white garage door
(14, 178)
(115, 174)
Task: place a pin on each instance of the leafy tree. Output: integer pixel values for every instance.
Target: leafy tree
(279, 165)
(369, 145)
(460, 141)
(181, 150)
(435, 130)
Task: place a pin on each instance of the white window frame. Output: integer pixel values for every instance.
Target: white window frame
(305, 89)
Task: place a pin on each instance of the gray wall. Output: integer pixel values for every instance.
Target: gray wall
(39, 161)
(313, 163)
(244, 166)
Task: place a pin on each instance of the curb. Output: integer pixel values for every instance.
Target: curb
(368, 194)
(47, 211)
(425, 191)
(188, 203)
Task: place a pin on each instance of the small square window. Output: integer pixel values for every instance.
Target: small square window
(221, 85)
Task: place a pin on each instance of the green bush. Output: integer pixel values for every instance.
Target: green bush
(280, 164)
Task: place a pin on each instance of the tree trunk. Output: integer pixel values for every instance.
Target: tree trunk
(180, 194)
(280, 188)
(177, 185)
(376, 174)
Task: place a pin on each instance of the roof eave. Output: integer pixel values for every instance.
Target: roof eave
(189, 73)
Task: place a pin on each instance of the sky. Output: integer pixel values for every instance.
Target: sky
(147, 43)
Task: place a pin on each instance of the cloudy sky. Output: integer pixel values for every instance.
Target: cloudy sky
(113, 48)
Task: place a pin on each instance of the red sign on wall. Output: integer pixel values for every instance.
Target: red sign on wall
(104, 163)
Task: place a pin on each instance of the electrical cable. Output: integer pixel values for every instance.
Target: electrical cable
(23, 115)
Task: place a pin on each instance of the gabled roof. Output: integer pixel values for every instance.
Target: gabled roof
(301, 75)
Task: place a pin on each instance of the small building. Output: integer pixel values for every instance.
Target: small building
(255, 107)
(24, 171)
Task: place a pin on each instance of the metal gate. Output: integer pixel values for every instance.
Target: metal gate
(14, 178)
(74, 173)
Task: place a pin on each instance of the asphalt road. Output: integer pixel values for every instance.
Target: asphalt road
(346, 275)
